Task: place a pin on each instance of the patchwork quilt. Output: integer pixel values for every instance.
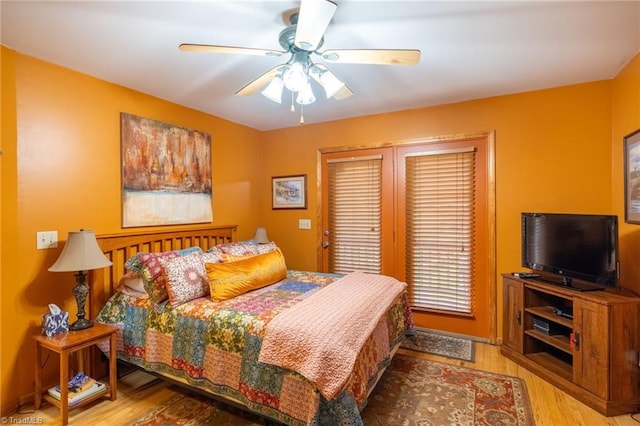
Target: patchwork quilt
(215, 346)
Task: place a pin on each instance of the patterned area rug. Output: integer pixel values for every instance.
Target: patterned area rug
(421, 392)
(441, 344)
(412, 391)
(194, 409)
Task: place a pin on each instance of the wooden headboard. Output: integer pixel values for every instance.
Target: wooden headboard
(120, 247)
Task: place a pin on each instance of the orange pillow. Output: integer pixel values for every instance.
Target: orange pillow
(231, 279)
(234, 258)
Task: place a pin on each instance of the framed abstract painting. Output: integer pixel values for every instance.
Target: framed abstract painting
(166, 173)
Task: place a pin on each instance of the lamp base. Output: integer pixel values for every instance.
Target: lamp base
(80, 292)
(81, 324)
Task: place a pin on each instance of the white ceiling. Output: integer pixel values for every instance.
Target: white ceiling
(470, 50)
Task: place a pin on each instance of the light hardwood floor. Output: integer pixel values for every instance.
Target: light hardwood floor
(138, 393)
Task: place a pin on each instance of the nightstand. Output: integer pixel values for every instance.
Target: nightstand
(65, 344)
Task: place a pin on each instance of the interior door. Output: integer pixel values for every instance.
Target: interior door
(451, 248)
(357, 211)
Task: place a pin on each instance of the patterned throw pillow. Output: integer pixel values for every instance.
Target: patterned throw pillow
(228, 280)
(138, 261)
(215, 249)
(266, 248)
(187, 277)
(150, 269)
(246, 248)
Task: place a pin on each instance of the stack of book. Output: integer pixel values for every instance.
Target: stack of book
(80, 388)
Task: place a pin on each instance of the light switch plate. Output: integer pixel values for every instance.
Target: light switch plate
(304, 223)
(46, 240)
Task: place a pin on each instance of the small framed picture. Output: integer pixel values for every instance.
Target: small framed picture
(632, 177)
(289, 192)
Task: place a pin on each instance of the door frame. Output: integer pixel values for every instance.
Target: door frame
(491, 278)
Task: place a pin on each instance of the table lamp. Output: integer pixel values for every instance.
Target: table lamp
(261, 236)
(81, 253)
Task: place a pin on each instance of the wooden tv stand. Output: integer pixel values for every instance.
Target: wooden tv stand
(593, 356)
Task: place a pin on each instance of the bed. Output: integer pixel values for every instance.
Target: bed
(296, 347)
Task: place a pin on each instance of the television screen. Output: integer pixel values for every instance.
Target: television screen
(572, 246)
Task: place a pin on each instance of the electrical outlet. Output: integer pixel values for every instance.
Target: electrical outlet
(304, 223)
(46, 240)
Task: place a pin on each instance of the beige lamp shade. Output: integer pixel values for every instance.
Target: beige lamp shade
(80, 253)
(261, 236)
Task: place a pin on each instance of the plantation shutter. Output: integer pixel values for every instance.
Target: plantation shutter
(355, 194)
(440, 230)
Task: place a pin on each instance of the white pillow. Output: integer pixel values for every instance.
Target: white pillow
(131, 284)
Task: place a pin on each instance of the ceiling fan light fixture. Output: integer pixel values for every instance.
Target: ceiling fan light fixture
(330, 83)
(303, 36)
(274, 90)
(305, 95)
(295, 77)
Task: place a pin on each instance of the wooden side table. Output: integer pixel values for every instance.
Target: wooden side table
(65, 344)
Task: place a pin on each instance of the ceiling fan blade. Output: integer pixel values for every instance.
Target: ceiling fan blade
(313, 21)
(187, 47)
(343, 93)
(259, 82)
(372, 56)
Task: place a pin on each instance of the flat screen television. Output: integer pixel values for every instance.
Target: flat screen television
(578, 251)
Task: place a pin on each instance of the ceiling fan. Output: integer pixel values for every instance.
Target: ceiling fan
(302, 38)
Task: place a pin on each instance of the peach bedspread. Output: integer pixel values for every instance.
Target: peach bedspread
(338, 320)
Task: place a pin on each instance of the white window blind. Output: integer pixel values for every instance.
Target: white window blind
(355, 194)
(440, 230)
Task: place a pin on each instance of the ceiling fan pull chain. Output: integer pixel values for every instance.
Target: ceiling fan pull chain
(293, 107)
(302, 114)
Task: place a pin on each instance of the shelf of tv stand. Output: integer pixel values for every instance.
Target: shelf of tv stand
(553, 364)
(558, 341)
(547, 312)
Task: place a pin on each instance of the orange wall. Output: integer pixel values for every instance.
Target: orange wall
(553, 153)
(61, 171)
(556, 150)
(626, 119)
